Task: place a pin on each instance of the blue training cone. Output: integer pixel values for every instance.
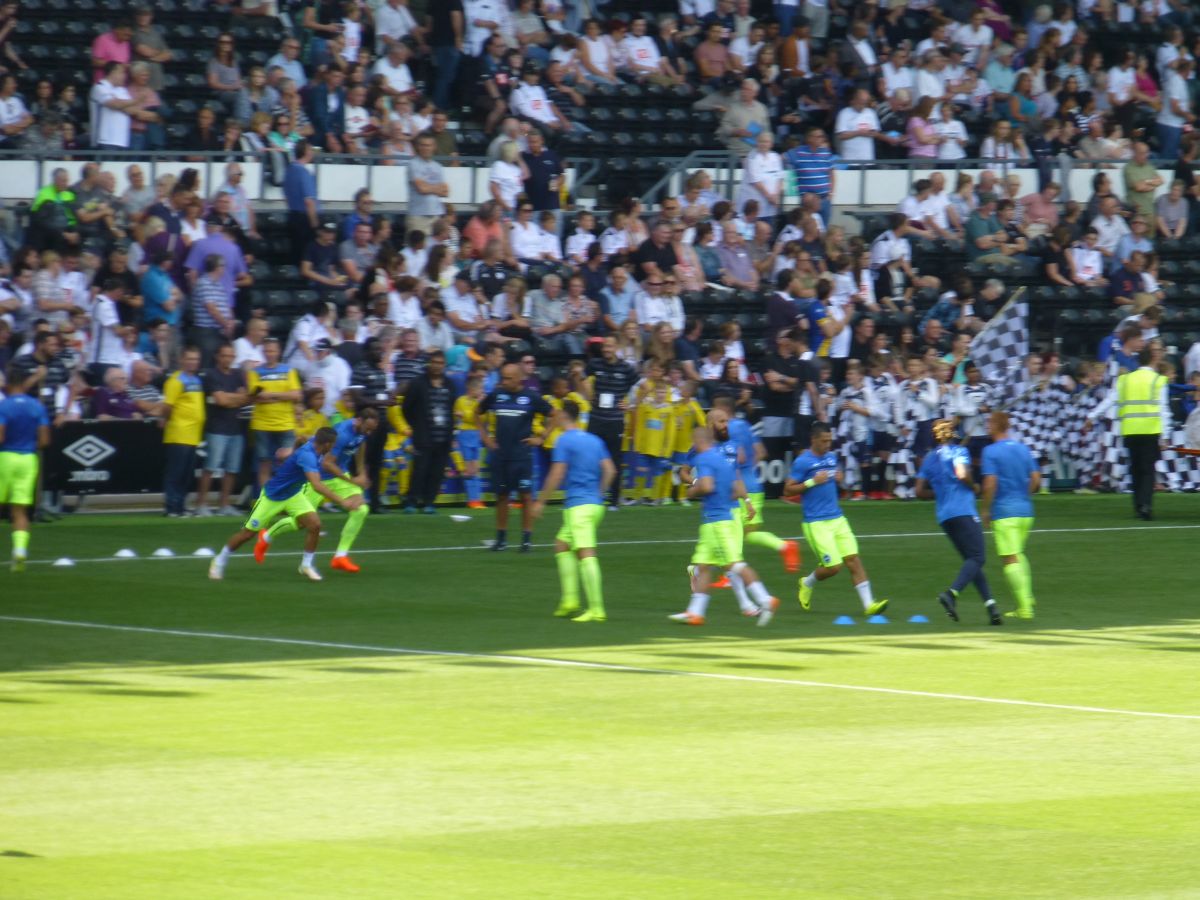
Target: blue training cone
(843, 620)
(877, 620)
(918, 619)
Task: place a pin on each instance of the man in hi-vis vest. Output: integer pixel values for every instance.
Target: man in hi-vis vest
(1145, 418)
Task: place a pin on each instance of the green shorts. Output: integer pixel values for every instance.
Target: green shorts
(757, 501)
(266, 511)
(336, 486)
(720, 544)
(579, 524)
(1011, 534)
(18, 478)
(831, 540)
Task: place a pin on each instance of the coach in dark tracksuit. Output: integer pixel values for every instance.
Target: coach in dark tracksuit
(510, 449)
(429, 410)
(612, 380)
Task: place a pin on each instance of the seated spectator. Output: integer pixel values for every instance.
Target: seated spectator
(288, 60)
(319, 267)
(484, 226)
(1137, 239)
(1004, 148)
(147, 398)
(1056, 259)
(1040, 211)
(1088, 261)
(1110, 228)
(1132, 286)
(597, 56)
(224, 69)
(988, 240)
(737, 268)
(358, 253)
(644, 60)
(433, 330)
(1171, 212)
(112, 401)
(15, 118)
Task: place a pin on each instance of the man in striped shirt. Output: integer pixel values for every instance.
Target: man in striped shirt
(812, 162)
(212, 313)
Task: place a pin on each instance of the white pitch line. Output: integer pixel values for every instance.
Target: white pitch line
(597, 666)
(186, 557)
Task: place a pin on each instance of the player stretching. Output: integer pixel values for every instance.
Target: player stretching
(815, 479)
(510, 458)
(717, 485)
(581, 461)
(24, 429)
(946, 476)
(351, 443)
(284, 495)
(751, 452)
(1010, 478)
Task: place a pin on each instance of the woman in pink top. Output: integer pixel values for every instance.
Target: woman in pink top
(921, 138)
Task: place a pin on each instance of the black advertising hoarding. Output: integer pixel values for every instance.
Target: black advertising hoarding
(105, 457)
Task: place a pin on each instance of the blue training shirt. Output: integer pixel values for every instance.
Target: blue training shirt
(347, 444)
(820, 502)
(1012, 464)
(292, 473)
(747, 441)
(21, 416)
(954, 498)
(583, 453)
(716, 506)
(514, 412)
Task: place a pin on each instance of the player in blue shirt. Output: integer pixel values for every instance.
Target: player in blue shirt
(716, 484)
(510, 442)
(751, 452)
(284, 495)
(945, 476)
(350, 445)
(1010, 479)
(580, 461)
(815, 478)
(24, 429)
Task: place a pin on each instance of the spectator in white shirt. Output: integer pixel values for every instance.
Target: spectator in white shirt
(857, 129)
(1110, 228)
(404, 307)
(394, 69)
(14, 117)
(525, 238)
(644, 60)
(976, 39)
(953, 134)
(393, 21)
(112, 109)
(248, 350)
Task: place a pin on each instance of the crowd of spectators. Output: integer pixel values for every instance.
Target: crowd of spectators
(108, 294)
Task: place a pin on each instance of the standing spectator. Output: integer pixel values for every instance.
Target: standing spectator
(545, 173)
(160, 295)
(225, 395)
(300, 191)
(371, 386)
(248, 349)
(812, 162)
(327, 110)
(218, 240)
(212, 310)
(1175, 114)
(1145, 419)
(763, 179)
(113, 46)
(744, 120)
(857, 129)
(429, 411)
(1141, 182)
(14, 117)
(427, 187)
(446, 38)
(112, 108)
(149, 46)
(108, 334)
(183, 396)
(274, 389)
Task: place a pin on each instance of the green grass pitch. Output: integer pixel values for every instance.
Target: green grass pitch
(167, 759)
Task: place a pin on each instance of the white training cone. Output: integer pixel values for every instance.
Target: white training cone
(64, 561)
(204, 552)
(163, 552)
(460, 518)
(125, 554)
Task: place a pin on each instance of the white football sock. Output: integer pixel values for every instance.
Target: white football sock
(864, 593)
(308, 559)
(739, 591)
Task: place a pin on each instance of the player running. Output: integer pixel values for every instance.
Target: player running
(750, 452)
(24, 429)
(946, 476)
(814, 479)
(284, 495)
(1010, 478)
(510, 456)
(581, 462)
(717, 485)
(350, 444)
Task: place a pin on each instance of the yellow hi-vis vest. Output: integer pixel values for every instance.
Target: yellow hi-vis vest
(1138, 406)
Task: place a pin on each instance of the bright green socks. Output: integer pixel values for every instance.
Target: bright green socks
(20, 542)
(283, 526)
(593, 584)
(765, 539)
(568, 577)
(354, 524)
(1020, 580)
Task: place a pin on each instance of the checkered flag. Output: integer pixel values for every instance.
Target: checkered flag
(1001, 347)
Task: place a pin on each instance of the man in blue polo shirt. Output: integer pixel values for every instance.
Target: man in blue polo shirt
(813, 163)
(510, 446)
(1010, 479)
(24, 429)
(300, 191)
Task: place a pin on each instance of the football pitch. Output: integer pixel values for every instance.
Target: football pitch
(427, 729)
